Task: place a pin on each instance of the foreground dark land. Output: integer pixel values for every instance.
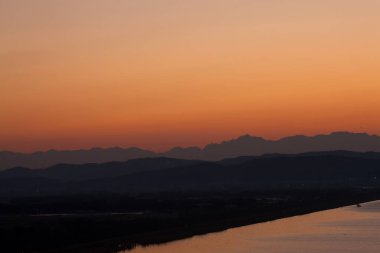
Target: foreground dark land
(115, 206)
(113, 222)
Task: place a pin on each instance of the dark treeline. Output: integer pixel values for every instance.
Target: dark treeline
(108, 223)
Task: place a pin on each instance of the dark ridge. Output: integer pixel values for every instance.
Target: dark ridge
(78, 172)
(245, 145)
(304, 171)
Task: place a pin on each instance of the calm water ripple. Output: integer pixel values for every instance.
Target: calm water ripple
(344, 230)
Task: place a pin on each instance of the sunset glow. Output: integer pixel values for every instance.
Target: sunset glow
(162, 73)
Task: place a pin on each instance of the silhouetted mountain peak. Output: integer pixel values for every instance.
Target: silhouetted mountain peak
(245, 145)
(345, 133)
(186, 153)
(244, 139)
(176, 149)
(248, 138)
(294, 137)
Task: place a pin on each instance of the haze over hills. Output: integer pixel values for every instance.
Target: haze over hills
(332, 169)
(242, 146)
(91, 171)
(45, 159)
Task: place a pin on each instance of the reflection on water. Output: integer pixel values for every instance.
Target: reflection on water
(350, 229)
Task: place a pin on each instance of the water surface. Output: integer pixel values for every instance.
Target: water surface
(345, 230)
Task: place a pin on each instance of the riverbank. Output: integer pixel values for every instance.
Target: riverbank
(339, 230)
(114, 223)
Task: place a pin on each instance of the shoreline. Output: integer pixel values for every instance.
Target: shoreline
(127, 243)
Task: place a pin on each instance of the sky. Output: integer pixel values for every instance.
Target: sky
(161, 73)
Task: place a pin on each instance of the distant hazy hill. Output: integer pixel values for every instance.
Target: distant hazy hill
(249, 145)
(243, 146)
(90, 171)
(45, 159)
(310, 170)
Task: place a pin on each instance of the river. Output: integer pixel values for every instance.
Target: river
(345, 230)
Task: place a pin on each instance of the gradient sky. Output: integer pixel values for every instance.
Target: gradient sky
(159, 73)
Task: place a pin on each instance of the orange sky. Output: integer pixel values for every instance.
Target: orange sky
(159, 73)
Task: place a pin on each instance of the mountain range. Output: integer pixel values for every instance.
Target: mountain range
(333, 169)
(246, 145)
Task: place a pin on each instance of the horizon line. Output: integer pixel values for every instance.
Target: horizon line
(187, 147)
